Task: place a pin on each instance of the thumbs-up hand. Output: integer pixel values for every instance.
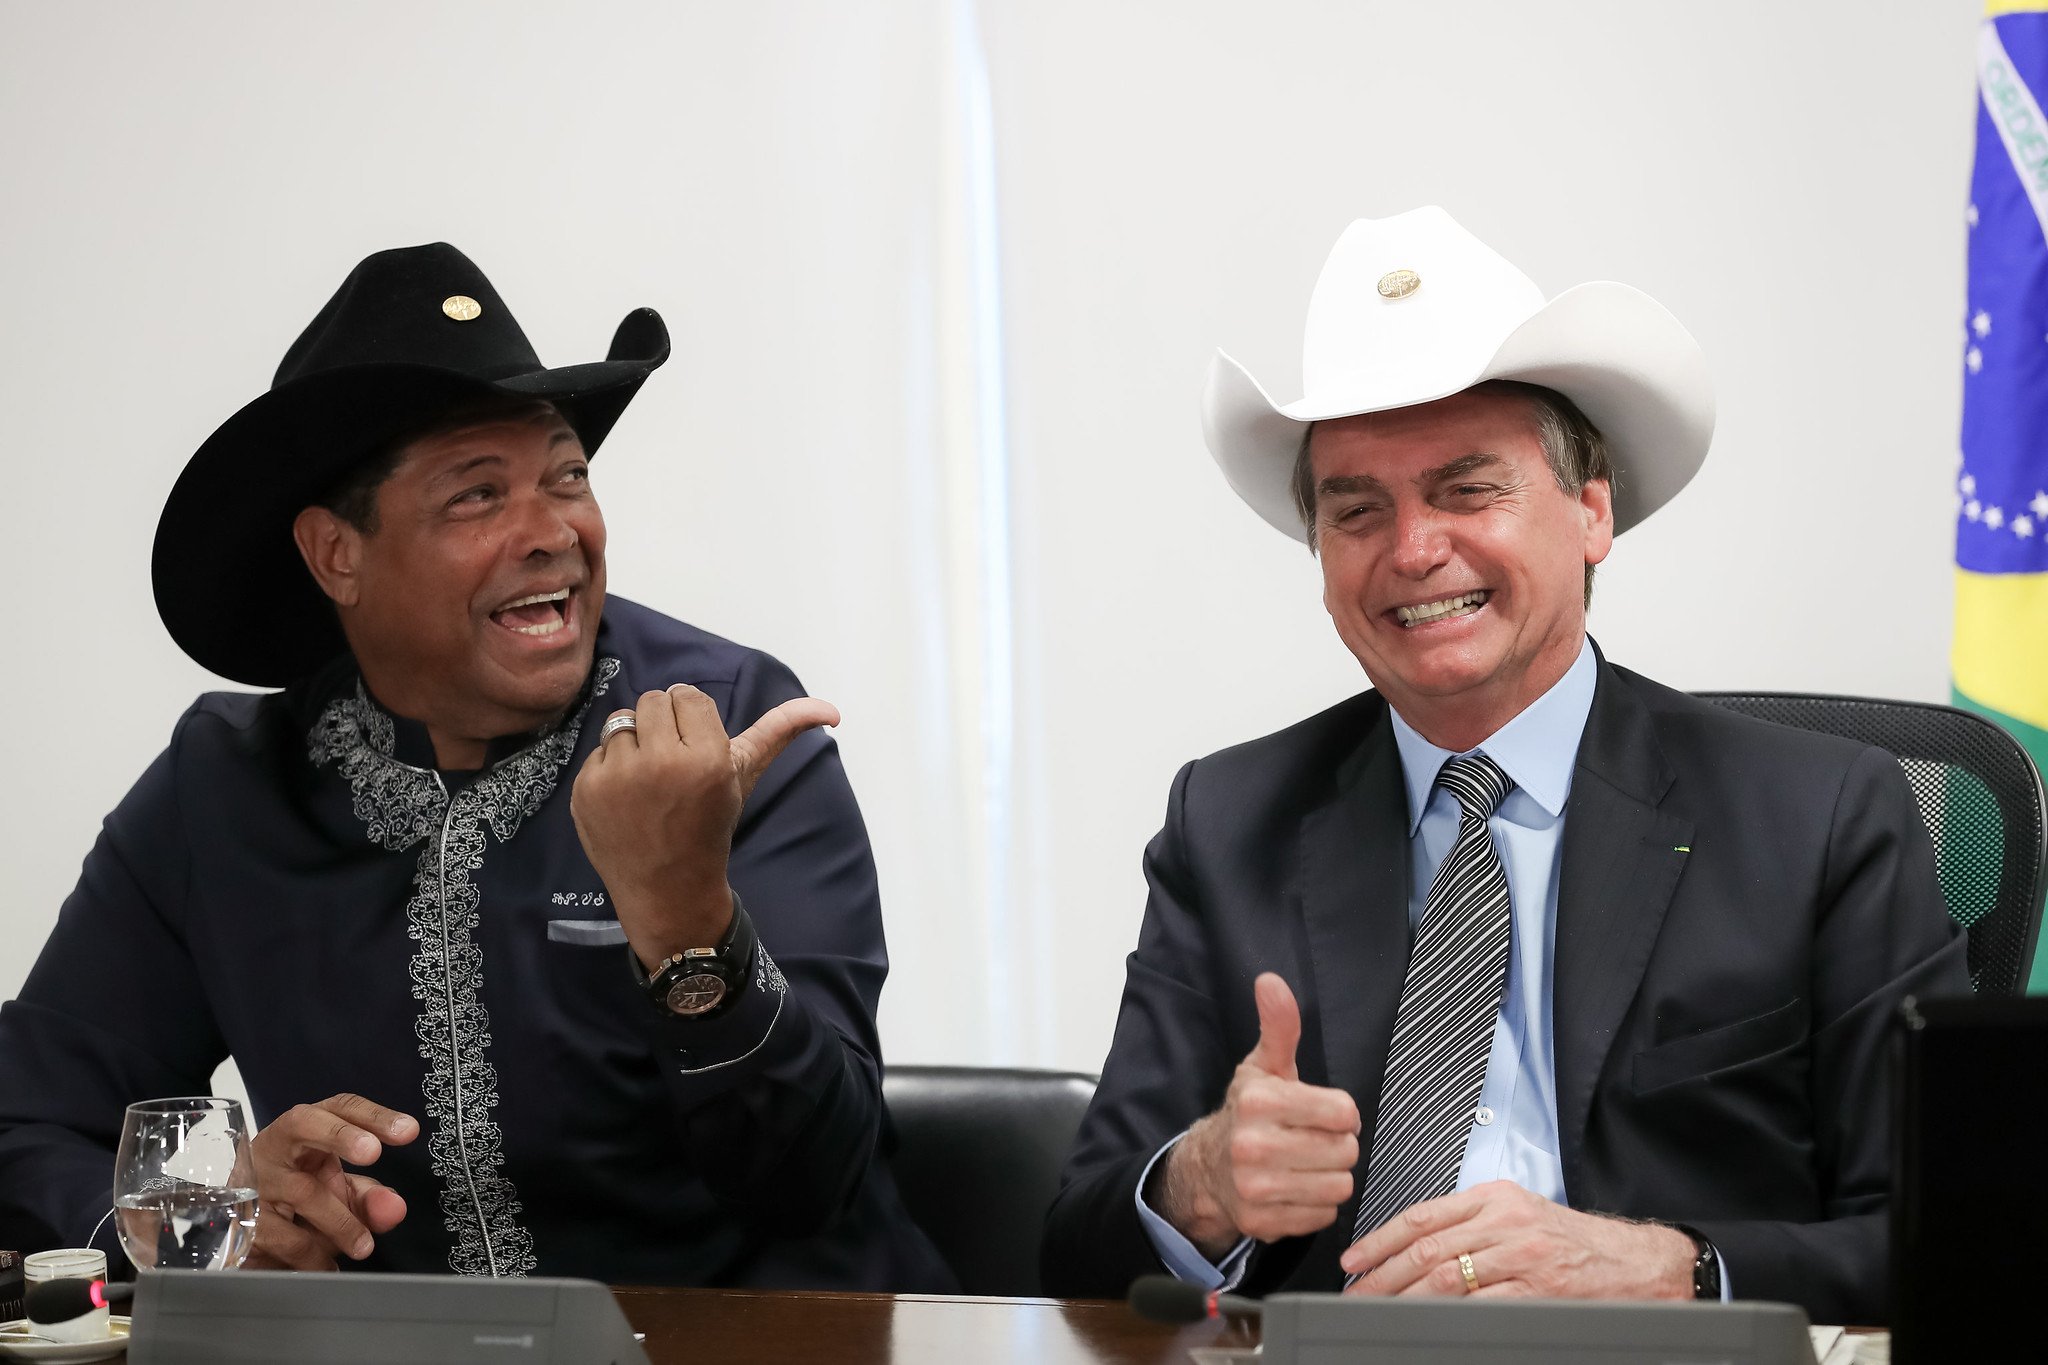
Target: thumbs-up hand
(656, 806)
(1275, 1159)
(1279, 1028)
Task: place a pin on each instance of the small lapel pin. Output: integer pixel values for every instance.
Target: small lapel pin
(1681, 848)
(1399, 284)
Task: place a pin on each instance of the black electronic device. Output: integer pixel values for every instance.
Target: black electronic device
(63, 1300)
(1970, 1105)
(1162, 1298)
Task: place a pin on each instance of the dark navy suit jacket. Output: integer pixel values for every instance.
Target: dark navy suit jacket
(1741, 909)
(292, 883)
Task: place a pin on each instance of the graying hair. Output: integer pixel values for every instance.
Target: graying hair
(1572, 446)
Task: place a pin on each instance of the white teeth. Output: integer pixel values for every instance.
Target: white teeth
(545, 627)
(1437, 611)
(537, 597)
(548, 629)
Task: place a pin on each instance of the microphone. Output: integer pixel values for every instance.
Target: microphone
(1162, 1298)
(63, 1300)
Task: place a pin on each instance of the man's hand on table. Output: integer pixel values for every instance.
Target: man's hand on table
(656, 806)
(311, 1211)
(1521, 1246)
(1275, 1159)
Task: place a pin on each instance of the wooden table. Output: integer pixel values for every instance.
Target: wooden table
(694, 1326)
(698, 1325)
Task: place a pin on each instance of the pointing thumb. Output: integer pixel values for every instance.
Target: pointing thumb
(756, 747)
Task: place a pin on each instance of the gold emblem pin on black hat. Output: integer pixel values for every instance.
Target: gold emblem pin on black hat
(1399, 284)
(463, 308)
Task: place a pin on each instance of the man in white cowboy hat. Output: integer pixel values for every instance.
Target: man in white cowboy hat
(1519, 974)
(523, 970)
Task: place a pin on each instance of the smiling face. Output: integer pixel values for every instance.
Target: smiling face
(471, 599)
(1453, 563)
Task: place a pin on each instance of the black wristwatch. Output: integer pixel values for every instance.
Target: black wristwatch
(1706, 1265)
(702, 983)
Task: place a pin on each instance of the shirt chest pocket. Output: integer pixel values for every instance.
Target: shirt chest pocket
(587, 933)
(592, 999)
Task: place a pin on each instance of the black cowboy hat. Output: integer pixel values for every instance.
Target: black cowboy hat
(411, 334)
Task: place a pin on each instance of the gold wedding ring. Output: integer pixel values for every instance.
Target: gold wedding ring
(625, 720)
(1471, 1275)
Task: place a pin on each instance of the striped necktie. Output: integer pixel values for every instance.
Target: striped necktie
(1443, 1031)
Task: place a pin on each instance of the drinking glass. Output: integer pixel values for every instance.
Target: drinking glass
(184, 1185)
(69, 1263)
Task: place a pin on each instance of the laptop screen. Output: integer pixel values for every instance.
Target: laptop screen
(1969, 1177)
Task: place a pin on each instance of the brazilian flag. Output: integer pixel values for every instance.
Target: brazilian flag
(2000, 659)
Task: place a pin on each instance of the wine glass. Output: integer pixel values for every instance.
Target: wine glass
(184, 1185)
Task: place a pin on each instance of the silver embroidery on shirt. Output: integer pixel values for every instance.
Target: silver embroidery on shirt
(399, 806)
(768, 976)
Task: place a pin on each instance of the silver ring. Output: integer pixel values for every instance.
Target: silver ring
(625, 720)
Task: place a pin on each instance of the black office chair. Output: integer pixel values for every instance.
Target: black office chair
(978, 1156)
(1980, 794)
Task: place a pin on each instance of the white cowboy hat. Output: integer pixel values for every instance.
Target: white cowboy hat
(1414, 308)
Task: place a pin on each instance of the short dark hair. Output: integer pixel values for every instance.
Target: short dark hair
(1572, 446)
(353, 497)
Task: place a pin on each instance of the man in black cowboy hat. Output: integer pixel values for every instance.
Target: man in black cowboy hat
(512, 990)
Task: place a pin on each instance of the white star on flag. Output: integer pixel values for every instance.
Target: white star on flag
(1994, 517)
(1973, 509)
(1972, 215)
(1981, 324)
(1975, 360)
(1969, 485)
(2039, 504)
(2023, 527)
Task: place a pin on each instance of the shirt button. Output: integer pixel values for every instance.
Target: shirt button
(1484, 1116)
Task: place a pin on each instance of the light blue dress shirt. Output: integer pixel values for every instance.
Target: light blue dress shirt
(1514, 1126)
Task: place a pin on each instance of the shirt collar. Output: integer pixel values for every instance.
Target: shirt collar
(406, 740)
(1537, 749)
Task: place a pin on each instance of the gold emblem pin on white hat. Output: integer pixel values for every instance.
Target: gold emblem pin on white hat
(1399, 284)
(463, 308)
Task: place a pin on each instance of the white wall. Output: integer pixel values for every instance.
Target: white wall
(806, 190)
